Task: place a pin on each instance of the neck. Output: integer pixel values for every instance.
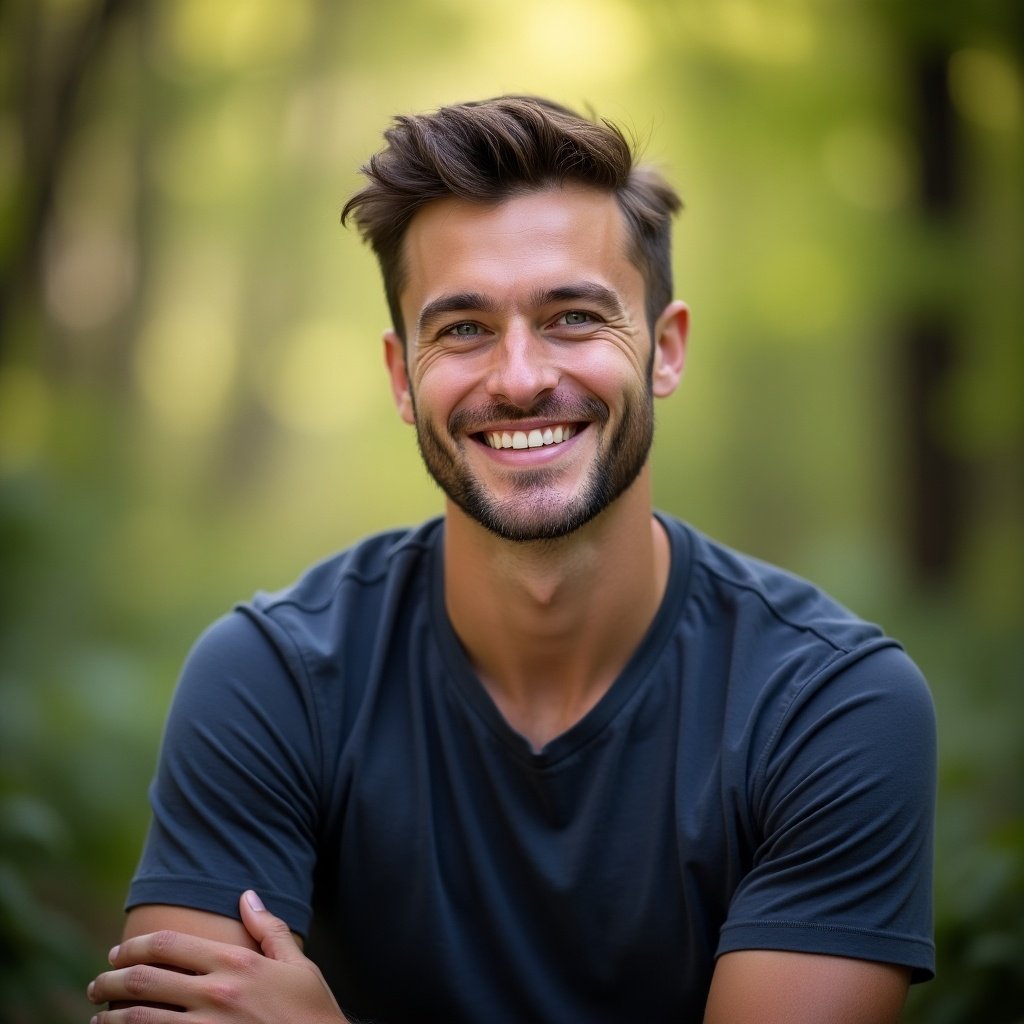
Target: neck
(550, 625)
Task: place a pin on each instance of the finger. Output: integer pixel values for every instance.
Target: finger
(142, 983)
(170, 949)
(139, 1013)
(273, 935)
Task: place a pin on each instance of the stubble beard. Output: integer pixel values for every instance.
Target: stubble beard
(535, 511)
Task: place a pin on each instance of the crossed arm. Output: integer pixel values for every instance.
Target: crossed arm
(218, 970)
(221, 971)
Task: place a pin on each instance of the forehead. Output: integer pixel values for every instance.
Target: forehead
(516, 246)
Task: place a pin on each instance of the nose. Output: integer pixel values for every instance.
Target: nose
(522, 367)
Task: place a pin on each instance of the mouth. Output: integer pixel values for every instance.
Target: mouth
(538, 437)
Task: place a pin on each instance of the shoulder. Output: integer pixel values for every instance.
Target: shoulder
(750, 589)
(296, 660)
(323, 627)
(347, 593)
(779, 638)
(366, 565)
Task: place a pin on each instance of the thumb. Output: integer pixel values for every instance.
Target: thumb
(272, 934)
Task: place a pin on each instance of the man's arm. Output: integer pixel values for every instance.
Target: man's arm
(159, 917)
(775, 987)
(150, 918)
(174, 958)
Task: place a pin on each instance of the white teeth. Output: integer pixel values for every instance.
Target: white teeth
(534, 439)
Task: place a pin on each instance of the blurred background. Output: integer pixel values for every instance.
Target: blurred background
(193, 403)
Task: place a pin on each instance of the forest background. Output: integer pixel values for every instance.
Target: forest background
(193, 404)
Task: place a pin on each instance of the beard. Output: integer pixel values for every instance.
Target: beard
(536, 509)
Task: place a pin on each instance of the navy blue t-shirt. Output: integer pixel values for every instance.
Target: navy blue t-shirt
(760, 776)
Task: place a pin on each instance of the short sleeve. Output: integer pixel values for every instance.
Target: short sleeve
(843, 799)
(234, 798)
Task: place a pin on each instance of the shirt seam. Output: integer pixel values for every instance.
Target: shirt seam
(349, 575)
(802, 627)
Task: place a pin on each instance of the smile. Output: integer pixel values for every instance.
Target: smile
(529, 439)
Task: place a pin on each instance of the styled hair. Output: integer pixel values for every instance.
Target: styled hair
(490, 150)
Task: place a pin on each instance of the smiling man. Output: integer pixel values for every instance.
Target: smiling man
(553, 756)
(563, 436)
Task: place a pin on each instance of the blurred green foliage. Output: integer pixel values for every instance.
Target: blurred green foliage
(192, 404)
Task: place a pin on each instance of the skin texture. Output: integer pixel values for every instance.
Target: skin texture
(769, 987)
(536, 306)
(533, 318)
(223, 970)
(542, 326)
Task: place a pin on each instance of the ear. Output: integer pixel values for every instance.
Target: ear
(670, 334)
(394, 356)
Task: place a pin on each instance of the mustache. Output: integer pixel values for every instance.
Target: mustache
(553, 407)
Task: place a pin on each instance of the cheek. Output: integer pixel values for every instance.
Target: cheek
(609, 374)
(442, 389)
(619, 355)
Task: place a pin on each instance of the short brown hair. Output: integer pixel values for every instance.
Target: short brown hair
(489, 150)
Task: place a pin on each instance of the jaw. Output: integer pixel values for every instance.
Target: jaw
(538, 485)
(546, 491)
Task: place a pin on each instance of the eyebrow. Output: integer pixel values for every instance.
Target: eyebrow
(461, 302)
(589, 291)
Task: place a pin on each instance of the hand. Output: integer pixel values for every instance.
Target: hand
(225, 983)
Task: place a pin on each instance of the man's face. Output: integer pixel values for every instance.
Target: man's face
(527, 370)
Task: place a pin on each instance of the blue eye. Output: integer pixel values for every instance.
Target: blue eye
(466, 329)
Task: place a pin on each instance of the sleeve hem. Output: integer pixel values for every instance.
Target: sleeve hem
(216, 898)
(833, 940)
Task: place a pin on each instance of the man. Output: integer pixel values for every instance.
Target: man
(553, 757)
